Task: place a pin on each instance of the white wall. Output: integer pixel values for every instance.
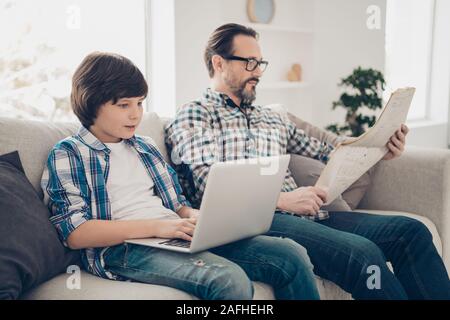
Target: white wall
(436, 133)
(195, 20)
(342, 43)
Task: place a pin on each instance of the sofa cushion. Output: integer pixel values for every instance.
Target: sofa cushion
(34, 140)
(92, 287)
(95, 288)
(30, 250)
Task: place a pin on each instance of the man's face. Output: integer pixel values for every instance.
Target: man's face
(242, 83)
(118, 121)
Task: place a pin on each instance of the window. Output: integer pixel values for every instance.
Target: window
(409, 42)
(44, 41)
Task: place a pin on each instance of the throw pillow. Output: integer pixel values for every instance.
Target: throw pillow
(30, 250)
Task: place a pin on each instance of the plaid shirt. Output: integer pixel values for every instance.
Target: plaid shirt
(213, 129)
(74, 184)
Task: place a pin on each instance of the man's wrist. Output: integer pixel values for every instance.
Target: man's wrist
(281, 201)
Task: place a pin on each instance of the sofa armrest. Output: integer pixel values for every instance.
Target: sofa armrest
(417, 182)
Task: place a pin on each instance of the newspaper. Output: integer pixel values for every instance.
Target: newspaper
(352, 159)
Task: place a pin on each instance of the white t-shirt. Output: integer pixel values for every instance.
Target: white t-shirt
(130, 188)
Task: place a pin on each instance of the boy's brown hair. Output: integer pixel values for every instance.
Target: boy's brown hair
(103, 77)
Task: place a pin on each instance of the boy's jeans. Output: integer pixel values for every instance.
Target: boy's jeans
(225, 272)
(351, 250)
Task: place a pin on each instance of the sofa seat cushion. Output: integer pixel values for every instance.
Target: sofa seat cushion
(96, 288)
(93, 287)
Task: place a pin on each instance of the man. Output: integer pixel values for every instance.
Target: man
(224, 125)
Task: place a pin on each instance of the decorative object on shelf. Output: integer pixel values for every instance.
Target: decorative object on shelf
(261, 11)
(295, 74)
(366, 87)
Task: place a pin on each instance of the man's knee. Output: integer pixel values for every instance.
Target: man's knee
(415, 229)
(365, 253)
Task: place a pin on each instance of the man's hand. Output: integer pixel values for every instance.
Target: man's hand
(396, 145)
(187, 212)
(175, 228)
(302, 201)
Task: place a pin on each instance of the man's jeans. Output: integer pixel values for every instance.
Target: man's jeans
(221, 273)
(351, 250)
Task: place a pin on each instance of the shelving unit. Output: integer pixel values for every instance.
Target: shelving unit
(274, 28)
(283, 85)
(287, 40)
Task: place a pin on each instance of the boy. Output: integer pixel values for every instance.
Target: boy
(105, 185)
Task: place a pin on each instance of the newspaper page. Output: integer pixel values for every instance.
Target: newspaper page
(352, 159)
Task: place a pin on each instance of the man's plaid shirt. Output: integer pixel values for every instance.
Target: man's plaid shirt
(213, 129)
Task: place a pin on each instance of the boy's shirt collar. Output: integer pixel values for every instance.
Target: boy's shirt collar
(92, 141)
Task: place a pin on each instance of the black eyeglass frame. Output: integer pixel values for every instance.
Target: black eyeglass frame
(259, 63)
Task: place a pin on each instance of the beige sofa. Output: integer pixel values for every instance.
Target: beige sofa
(416, 185)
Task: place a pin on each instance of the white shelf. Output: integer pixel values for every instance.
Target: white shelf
(283, 85)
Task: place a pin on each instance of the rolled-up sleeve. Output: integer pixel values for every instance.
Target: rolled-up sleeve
(65, 192)
(304, 145)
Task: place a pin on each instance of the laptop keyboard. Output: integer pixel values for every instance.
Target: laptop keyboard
(177, 243)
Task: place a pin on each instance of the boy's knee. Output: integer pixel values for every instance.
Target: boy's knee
(294, 253)
(232, 283)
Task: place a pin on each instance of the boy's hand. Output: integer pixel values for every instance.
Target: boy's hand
(177, 228)
(187, 212)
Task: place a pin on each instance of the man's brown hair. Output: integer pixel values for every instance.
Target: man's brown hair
(221, 42)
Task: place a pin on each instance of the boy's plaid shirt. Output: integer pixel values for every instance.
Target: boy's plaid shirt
(74, 184)
(213, 129)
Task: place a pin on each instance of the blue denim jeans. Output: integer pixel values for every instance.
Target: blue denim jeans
(225, 272)
(345, 247)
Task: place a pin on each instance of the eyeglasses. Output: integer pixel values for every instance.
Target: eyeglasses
(252, 63)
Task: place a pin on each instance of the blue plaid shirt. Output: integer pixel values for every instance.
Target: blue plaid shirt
(74, 184)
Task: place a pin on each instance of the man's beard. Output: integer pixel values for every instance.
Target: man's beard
(238, 89)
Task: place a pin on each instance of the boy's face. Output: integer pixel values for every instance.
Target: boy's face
(118, 121)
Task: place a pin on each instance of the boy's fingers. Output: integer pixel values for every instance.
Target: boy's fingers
(193, 220)
(184, 236)
(188, 230)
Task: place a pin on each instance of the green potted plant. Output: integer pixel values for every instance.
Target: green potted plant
(364, 89)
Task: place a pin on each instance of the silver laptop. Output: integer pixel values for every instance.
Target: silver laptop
(239, 202)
